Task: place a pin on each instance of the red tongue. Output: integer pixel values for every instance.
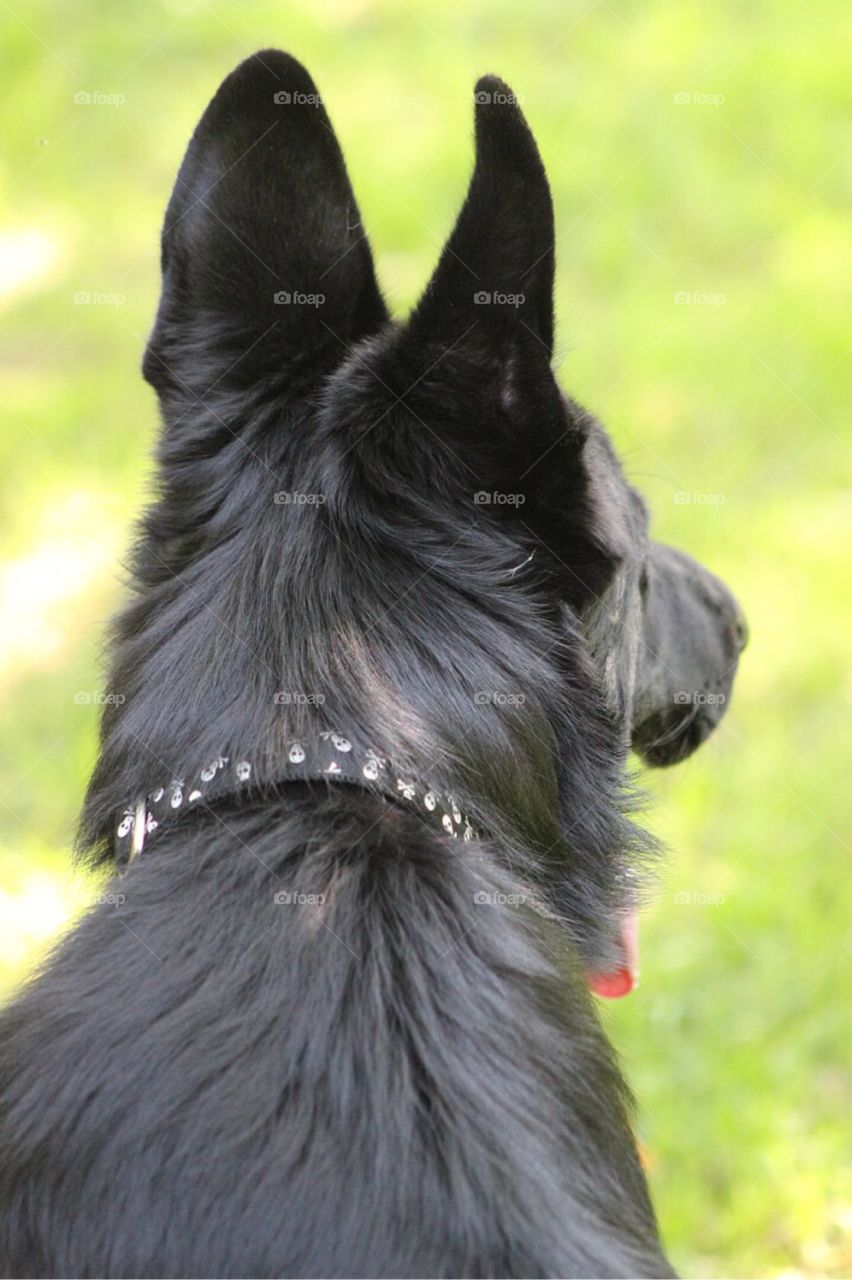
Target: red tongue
(621, 980)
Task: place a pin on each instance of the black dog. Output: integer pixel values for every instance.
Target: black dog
(366, 789)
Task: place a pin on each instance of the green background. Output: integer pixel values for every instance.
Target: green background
(738, 1042)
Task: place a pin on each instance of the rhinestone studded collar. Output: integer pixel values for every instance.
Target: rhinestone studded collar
(327, 756)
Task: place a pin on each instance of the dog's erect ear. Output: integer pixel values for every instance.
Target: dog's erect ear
(266, 268)
(492, 292)
(476, 356)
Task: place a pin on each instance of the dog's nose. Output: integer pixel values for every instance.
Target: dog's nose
(740, 629)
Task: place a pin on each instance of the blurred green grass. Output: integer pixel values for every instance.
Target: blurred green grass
(738, 1043)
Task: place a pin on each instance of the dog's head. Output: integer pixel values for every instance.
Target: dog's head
(460, 565)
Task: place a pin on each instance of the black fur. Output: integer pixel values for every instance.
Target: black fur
(400, 1079)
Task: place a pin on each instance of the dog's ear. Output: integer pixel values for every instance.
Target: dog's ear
(476, 356)
(491, 297)
(267, 272)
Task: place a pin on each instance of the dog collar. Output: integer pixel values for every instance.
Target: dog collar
(328, 757)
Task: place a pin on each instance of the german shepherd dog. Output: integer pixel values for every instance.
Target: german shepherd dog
(396, 622)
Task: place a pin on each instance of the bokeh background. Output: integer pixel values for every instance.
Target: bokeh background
(698, 159)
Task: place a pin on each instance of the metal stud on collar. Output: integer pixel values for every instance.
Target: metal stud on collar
(139, 826)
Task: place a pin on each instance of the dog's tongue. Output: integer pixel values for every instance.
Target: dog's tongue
(621, 980)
